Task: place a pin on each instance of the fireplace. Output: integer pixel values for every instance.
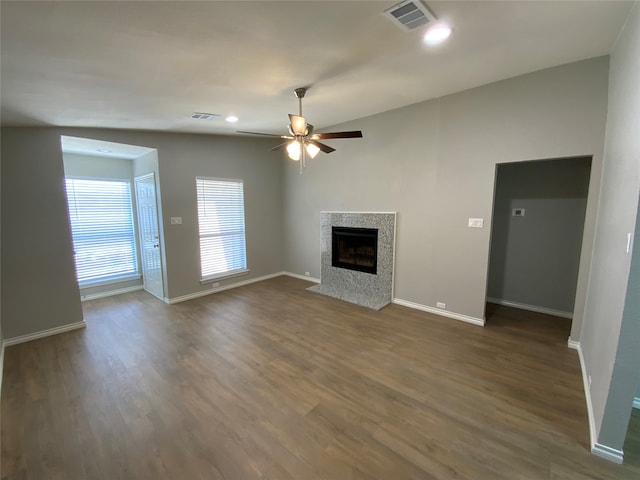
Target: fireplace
(355, 249)
(364, 275)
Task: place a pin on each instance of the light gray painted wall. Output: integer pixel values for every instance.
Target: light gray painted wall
(104, 167)
(534, 259)
(613, 365)
(1, 337)
(181, 158)
(622, 387)
(38, 275)
(434, 163)
(97, 167)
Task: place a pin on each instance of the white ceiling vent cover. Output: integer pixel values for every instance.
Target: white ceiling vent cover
(204, 116)
(410, 14)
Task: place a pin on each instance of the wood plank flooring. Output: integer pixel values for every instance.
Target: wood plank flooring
(270, 381)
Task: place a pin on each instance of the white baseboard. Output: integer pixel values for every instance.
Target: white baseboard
(530, 308)
(204, 293)
(603, 451)
(587, 393)
(438, 311)
(636, 402)
(119, 291)
(608, 453)
(573, 344)
(44, 333)
(302, 277)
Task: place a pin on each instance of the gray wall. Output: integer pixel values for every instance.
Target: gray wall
(434, 163)
(103, 167)
(1, 337)
(534, 259)
(181, 157)
(611, 330)
(38, 274)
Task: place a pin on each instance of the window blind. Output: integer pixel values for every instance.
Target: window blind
(101, 217)
(221, 227)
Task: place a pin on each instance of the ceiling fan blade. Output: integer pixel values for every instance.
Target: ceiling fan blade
(324, 148)
(329, 135)
(263, 134)
(298, 124)
(279, 147)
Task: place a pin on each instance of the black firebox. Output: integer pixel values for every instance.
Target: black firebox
(355, 249)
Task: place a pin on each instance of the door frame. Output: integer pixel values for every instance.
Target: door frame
(158, 225)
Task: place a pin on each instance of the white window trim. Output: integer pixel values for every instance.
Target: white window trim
(110, 281)
(222, 276)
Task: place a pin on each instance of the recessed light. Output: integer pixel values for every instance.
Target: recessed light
(231, 119)
(437, 33)
(104, 150)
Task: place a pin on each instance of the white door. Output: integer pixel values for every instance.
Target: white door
(149, 235)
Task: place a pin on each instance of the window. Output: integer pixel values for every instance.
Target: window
(221, 224)
(102, 228)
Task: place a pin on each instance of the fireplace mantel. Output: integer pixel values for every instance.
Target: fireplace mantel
(369, 290)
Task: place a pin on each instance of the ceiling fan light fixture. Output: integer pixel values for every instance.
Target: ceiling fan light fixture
(312, 150)
(437, 33)
(298, 125)
(294, 150)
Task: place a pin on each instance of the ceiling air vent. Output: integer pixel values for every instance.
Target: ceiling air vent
(410, 14)
(204, 116)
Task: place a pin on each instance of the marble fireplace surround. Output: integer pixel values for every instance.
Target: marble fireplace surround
(366, 289)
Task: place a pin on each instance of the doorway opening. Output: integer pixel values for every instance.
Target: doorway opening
(108, 226)
(536, 235)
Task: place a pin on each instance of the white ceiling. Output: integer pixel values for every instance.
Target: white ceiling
(149, 65)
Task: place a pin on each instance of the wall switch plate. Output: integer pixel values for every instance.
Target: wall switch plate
(441, 305)
(476, 222)
(176, 220)
(517, 212)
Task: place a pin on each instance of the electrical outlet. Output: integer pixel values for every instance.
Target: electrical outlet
(215, 284)
(307, 274)
(589, 382)
(441, 305)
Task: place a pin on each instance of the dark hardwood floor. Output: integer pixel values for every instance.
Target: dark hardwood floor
(270, 381)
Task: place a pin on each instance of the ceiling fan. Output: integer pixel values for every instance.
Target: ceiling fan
(301, 139)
